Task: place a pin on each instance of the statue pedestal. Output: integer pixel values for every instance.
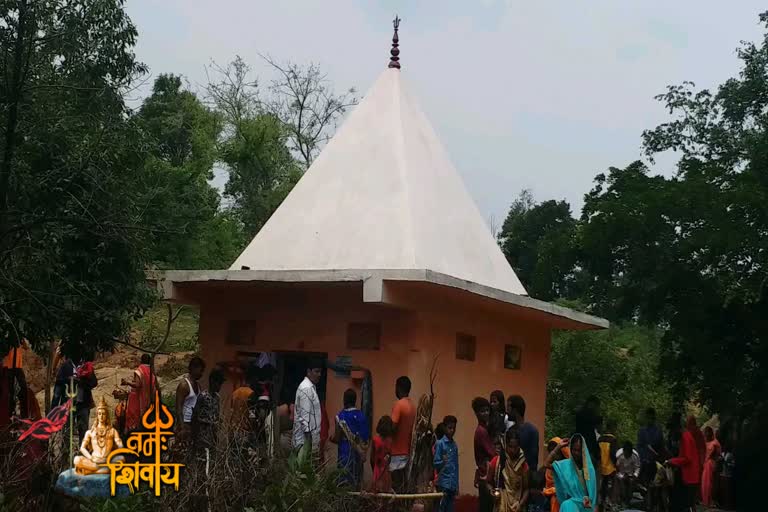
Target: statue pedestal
(88, 486)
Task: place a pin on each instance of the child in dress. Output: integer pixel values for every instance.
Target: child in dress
(381, 446)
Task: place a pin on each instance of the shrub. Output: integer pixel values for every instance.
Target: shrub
(620, 366)
(296, 485)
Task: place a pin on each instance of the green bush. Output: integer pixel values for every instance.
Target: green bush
(150, 329)
(298, 487)
(619, 365)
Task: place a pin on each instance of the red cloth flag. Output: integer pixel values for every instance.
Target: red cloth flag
(44, 428)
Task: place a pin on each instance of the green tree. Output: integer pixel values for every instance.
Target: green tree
(72, 230)
(181, 137)
(539, 242)
(261, 170)
(690, 253)
(628, 241)
(253, 148)
(621, 366)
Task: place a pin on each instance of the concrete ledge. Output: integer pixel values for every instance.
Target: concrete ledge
(373, 289)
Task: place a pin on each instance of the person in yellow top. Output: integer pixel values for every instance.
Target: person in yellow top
(608, 446)
(14, 377)
(240, 419)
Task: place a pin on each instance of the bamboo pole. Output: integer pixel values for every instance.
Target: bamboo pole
(392, 496)
(71, 394)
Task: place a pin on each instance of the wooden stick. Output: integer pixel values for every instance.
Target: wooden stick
(391, 496)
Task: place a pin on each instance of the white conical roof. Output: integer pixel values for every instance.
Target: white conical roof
(382, 195)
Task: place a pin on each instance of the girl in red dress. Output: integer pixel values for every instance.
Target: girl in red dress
(381, 447)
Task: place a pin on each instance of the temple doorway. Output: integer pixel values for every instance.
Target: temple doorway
(291, 370)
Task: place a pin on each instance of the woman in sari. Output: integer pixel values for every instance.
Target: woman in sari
(575, 478)
(509, 471)
(140, 396)
(710, 467)
(352, 437)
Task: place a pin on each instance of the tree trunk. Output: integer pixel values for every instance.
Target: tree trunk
(12, 121)
(49, 371)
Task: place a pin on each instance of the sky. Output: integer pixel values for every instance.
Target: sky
(524, 95)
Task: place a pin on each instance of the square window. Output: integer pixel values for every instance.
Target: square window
(512, 357)
(364, 336)
(241, 332)
(466, 345)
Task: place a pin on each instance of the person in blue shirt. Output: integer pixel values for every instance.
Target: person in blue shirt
(447, 465)
(650, 443)
(529, 434)
(353, 437)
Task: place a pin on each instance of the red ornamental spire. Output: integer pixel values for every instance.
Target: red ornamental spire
(394, 61)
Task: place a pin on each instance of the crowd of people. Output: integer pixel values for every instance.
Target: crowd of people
(672, 469)
(670, 472)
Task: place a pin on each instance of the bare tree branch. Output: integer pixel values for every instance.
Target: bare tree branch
(137, 347)
(303, 99)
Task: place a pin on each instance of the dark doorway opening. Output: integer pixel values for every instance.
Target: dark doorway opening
(291, 370)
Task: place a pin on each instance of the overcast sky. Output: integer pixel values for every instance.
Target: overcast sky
(524, 94)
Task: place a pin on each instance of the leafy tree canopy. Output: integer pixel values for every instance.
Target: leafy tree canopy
(686, 254)
(539, 242)
(72, 228)
(622, 369)
(181, 136)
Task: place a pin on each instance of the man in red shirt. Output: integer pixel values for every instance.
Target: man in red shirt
(403, 416)
(484, 453)
(689, 463)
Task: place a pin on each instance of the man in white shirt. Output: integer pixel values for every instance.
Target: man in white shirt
(306, 423)
(627, 470)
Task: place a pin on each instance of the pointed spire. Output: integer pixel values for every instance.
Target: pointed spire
(394, 61)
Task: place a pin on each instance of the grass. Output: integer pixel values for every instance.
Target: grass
(149, 330)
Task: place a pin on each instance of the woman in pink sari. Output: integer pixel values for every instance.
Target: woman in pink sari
(710, 467)
(140, 397)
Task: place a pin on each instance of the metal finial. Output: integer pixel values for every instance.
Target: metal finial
(394, 61)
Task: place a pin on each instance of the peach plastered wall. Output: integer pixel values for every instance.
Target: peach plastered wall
(315, 319)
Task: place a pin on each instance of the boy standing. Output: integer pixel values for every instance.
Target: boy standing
(608, 448)
(447, 465)
(484, 453)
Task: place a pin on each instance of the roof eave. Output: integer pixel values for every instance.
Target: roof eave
(373, 281)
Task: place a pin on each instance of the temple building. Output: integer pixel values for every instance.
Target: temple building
(379, 258)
